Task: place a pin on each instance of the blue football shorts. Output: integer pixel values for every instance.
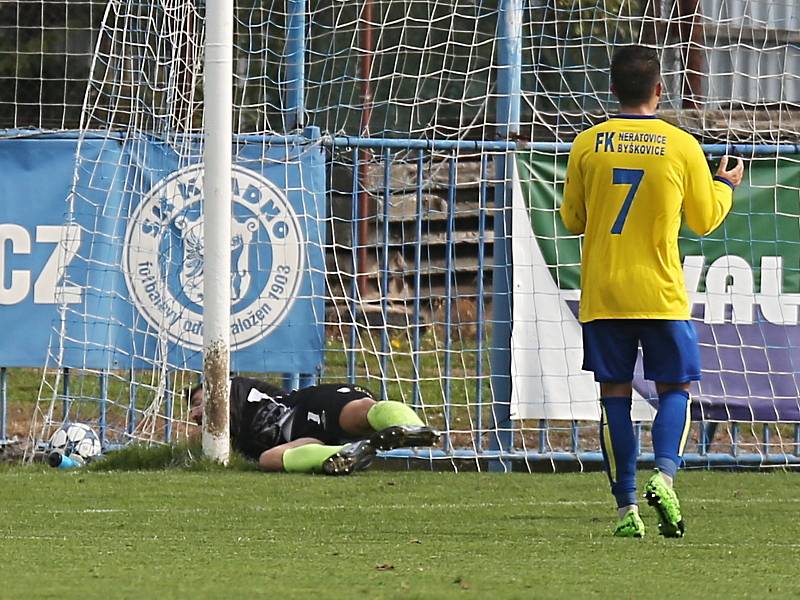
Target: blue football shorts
(670, 350)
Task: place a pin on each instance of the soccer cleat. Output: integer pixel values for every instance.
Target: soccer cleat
(352, 457)
(631, 525)
(664, 499)
(404, 436)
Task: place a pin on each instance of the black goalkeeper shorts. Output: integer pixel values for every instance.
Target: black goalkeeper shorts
(317, 411)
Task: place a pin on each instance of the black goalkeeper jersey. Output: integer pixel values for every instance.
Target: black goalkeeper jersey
(259, 411)
(264, 416)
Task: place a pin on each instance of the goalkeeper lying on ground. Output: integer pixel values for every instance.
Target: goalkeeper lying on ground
(333, 428)
(629, 181)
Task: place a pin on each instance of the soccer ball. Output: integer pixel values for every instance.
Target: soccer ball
(76, 440)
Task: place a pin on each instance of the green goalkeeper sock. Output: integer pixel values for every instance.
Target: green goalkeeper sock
(308, 458)
(388, 413)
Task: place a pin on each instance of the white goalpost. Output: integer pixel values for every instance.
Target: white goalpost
(218, 113)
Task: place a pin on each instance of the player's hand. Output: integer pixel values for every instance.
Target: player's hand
(733, 175)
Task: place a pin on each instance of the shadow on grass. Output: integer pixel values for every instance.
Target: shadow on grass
(186, 456)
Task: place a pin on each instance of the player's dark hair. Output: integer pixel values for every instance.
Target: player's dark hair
(191, 391)
(635, 70)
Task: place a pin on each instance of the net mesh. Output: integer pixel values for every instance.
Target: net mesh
(409, 234)
(415, 69)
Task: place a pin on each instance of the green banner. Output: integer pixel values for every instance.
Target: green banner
(764, 220)
(743, 282)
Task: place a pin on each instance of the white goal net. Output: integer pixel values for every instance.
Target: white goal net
(374, 143)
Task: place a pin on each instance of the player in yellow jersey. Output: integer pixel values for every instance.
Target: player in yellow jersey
(629, 182)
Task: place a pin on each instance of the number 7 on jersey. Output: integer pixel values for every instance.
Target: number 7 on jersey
(631, 177)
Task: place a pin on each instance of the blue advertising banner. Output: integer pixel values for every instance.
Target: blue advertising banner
(123, 254)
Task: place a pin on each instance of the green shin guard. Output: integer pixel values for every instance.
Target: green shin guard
(389, 413)
(308, 458)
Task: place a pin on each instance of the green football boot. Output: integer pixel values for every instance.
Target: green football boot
(631, 525)
(664, 499)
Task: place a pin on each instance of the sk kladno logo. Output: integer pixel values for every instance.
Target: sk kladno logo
(163, 257)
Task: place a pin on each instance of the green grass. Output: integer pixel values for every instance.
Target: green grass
(23, 385)
(237, 534)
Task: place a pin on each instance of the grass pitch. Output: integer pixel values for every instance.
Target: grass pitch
(239, 534)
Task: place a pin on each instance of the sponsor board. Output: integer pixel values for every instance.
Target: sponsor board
(743, 282)
(103, 265)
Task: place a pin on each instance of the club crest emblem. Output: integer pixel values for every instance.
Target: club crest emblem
(163, 257)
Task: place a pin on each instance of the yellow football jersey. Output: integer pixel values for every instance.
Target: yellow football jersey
(628, 181)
